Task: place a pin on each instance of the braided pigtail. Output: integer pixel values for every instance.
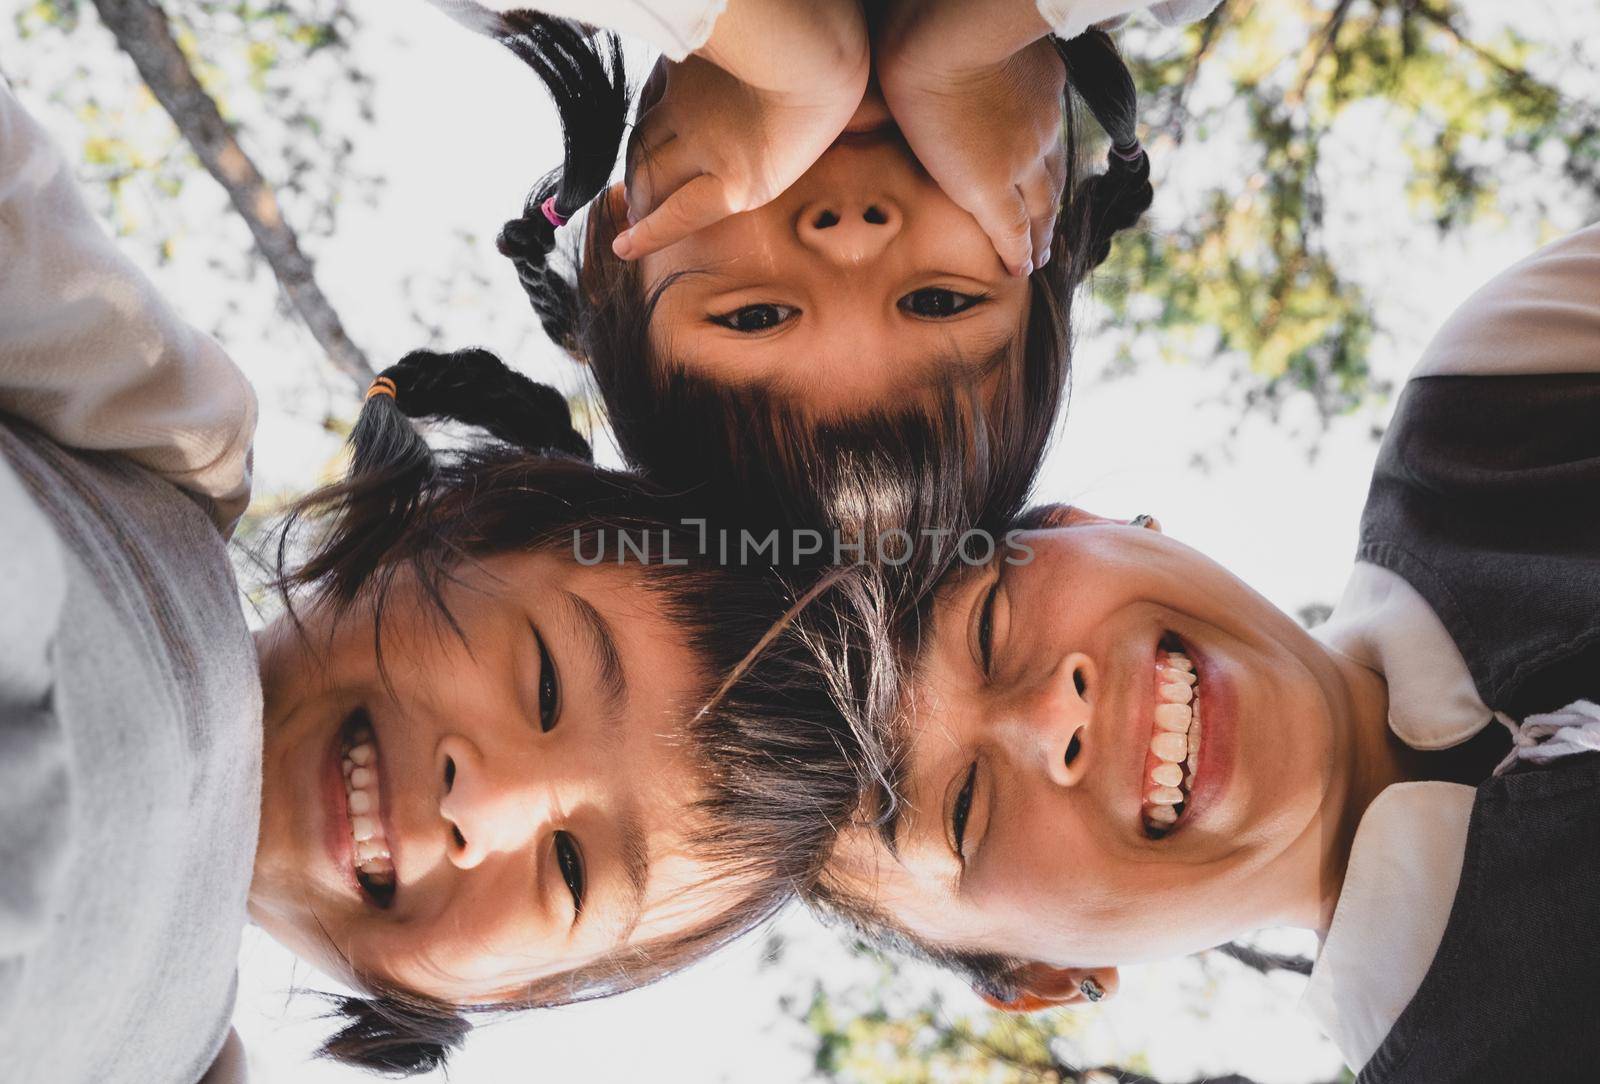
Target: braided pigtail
(393, 470)
(1110, 202)
(583, 71)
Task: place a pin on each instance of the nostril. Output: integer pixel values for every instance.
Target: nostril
(449, 774)
(1074, 747)
(461, 840)
(826, 220)
(1078, 681)
(875, 216)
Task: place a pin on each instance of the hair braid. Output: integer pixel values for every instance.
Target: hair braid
(1117, 199)
(476, 388)
(393, 470)
(583, 71)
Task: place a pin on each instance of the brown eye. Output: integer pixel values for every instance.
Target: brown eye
(935, 303)
(549, 687)
(963, 810)
(570, 861)
(752, 319)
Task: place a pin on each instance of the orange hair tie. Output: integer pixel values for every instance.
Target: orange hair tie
(380, 386)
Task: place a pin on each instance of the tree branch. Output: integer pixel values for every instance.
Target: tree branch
(143, 32)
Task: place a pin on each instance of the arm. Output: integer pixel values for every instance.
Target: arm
(1539, 316)
(35, 754)
(91, 354)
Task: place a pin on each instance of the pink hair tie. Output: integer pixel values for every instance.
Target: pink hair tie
(553, 216)
(1131, 153)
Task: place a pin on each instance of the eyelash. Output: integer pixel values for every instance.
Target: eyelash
(570, 861)
(754, 319)
(986, 627)
(963, 810)
(549, 687)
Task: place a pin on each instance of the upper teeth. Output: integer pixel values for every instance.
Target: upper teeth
(371, 850)
(1175, 739)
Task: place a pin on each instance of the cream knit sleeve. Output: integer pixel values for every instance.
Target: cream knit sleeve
(91, 353)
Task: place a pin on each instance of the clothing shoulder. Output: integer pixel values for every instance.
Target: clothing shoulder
(91, 354)
(1486, 494)
(35, 781)
(1539, 316)
(676, 27)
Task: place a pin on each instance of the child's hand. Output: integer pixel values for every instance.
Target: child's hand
(977, 88)
(733, 126)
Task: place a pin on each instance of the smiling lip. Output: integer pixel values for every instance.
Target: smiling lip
(1218, 716)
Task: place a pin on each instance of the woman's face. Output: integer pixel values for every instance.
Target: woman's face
(1027, 828)
(525, 782)
(861, 285)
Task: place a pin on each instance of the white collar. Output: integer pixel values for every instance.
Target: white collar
(1405, 861)
(1404, 867)
(1382, 623)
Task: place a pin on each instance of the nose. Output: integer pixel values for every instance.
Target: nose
(849, 232)
(1049, 725)
(485, 811)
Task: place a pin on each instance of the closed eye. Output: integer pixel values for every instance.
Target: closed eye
(570, 861)
(986, 627)
(937, 303)
(962, 811)
(754, 319)
(549, 687)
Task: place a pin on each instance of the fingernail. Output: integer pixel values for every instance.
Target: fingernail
(1046, 257)
(633, 219)
(623, 246)
(1024, 270)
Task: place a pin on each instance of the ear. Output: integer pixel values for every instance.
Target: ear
(1040, 986)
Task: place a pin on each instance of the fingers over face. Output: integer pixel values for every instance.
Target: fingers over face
(700, 202)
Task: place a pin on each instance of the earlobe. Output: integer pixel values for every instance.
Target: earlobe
(1040, 986)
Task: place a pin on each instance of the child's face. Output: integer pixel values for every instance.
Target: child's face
(530, 788)
(860, 286)
(1047, 756)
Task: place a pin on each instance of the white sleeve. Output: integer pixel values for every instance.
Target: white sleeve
(1538, 316)
(676, 27)
(1069, 18)
(90, 352)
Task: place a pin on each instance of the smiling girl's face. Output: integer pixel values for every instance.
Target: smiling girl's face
(862, 285)
(511, 803)
(1035, 746)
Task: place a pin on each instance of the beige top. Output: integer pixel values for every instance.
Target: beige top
(91, 353)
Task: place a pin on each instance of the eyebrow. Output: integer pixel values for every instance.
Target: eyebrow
(613, 682)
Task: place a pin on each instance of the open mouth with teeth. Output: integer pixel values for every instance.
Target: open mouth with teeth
(374, 866)
(1174, 754)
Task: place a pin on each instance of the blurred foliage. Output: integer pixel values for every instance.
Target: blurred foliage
(1249, 275)
(285, 75)
(897, 1030)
